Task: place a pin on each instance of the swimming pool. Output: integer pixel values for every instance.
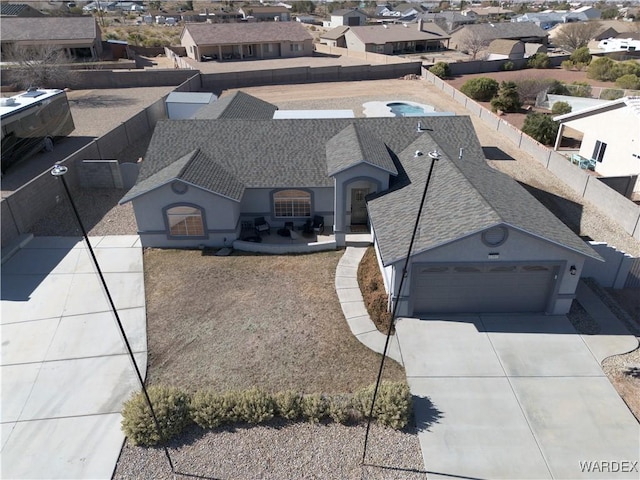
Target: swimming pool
(401, 109)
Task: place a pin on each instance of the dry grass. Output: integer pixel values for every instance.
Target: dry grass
(244, 320)
(373, 292)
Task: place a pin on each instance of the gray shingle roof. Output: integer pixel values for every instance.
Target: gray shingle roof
(197, 169)
(335, 33)
(466, 196)
(18, 9)
(354, 145)
(379, 35)
(491, 31)
(48, 28)
(237, 105)
(235, 33)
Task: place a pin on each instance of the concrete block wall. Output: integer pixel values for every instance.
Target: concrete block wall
(627, 213)
(100, 174)
(511, 132)
(572, 175)
(535, 149)
(192, 84)
(112, 143)
(9, 231)
(614, 271)
(87, 79)
(136, 127)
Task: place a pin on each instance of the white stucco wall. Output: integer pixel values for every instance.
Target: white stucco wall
(519, 247)
(622, 136)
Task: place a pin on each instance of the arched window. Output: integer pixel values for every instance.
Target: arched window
(185, 221)
(292, 203)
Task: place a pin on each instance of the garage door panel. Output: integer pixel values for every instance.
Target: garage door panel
(485, 288)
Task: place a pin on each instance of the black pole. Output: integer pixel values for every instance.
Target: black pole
(435, 155)
(59, 171)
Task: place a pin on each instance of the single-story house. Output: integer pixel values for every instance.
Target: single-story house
(501, 49)
(615, 150)
(18, 10)
(484, 244)
(268, 13)
(448, 20)
(80, 37)
(351, 17)
(489, 13)
(485, 33)
(397, 38)
(260, 40)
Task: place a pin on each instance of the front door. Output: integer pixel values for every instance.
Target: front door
(359, 206)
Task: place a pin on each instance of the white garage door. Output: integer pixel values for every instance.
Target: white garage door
(482, 288)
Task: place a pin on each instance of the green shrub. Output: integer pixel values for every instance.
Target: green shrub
(171, 406)
(538, 60)
(579, 89)
(628, 82)
(581, 55)
(629, 67)
(340, 409)
(567, 65)
(314, 407)
(441, 70)
(254, 406)
(362, 399)
(558, 88)
(611, 94)
(560, 108)
(508, 99)
(288, 404)
(541, 127)
(603, 69)
(393, 405)
(507, 66)
(210, 409)
(482, 89)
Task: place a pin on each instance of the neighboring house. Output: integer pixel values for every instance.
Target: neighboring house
(260, 40)
(334, 37)
(449, 20)
(404, 12)
(489, 14)
(623, 43)
(397, 39)
(100, 6)
(484, 243)
(501, 49)
(78, 36)
(351, 17)
(263, 13)
(615, 150)
(487, 32)
(18, 10)
(550, 19)
(219, 16)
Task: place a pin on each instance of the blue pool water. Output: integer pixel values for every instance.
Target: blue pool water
(400, 109)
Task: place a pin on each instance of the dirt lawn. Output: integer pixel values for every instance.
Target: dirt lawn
(248, 320)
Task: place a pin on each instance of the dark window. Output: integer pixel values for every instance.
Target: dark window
(598, 151)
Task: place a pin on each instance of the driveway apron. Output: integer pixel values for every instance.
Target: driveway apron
(514, 397)
(65, 371)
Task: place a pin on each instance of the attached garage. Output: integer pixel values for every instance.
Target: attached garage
(482, 288)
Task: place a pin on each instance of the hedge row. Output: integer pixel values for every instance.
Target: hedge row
(176, 409)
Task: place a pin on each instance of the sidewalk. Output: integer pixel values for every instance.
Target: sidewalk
(354, 309)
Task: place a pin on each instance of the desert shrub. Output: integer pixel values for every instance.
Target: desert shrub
(628, 82)
(611, 94)
(507, 66)
(603, 69)
(441, 70)
(530, 88)
(211, 409)
(508, 99)
(541, 127)
(567, 65)
(558, 88)
(393, 405)
(579, 89)
(171, 406)
(581, 55)
(560, 108)
(629, 67)
(482, 89)
(362, 399)
(579, 66)
(538, 60)
(288, 404)
(254, 406)
(340, 409)
(314, 407)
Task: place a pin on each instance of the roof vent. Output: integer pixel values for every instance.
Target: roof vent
(417, 154)
(385, 25)
(7, 102)
(405, 25)
(461, 153)
(419, 127)
(435, 155)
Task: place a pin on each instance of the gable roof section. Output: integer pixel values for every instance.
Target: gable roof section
(243, 33)
(237, 105)
(465, 196)
(335, 33)
(195, 168)
(48, 28)
(379, 34)
(491, 31)
(504, 46)
(355, 145)
(18, 9)
(633, 103)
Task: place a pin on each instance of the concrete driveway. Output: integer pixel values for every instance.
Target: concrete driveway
(515, 397)
(65, 371)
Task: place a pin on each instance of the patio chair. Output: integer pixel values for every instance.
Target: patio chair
(261, 225)
(318, 224)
